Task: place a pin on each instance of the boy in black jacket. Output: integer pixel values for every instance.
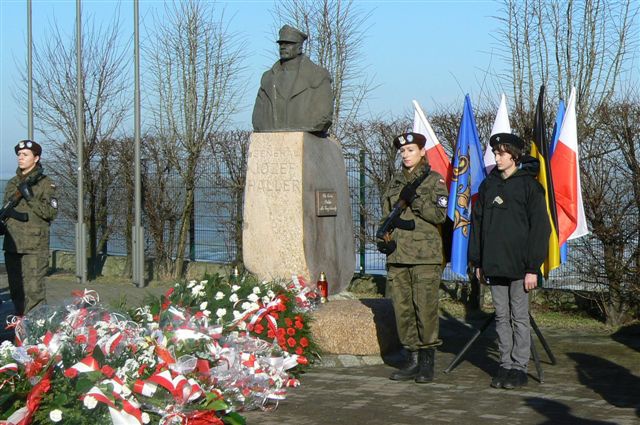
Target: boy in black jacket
(508, 244)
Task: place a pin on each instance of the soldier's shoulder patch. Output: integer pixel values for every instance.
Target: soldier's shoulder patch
(442, 201)
(54, 203)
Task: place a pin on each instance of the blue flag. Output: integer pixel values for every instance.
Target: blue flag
(468, 173)
(554, 140)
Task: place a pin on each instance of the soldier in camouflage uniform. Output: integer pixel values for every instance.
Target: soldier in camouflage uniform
(26, 229)
(414, 268)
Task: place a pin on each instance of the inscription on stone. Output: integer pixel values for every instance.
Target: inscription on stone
(326, 203)
(274, 171)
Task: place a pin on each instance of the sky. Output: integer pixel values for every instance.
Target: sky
(427, 50)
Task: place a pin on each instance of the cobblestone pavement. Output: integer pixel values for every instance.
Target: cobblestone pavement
(596, 379)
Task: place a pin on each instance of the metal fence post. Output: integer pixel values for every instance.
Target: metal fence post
(361, 206)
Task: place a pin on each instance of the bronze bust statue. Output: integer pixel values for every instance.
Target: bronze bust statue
(295, 94)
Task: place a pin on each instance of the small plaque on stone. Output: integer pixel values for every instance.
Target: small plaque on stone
(326, 203)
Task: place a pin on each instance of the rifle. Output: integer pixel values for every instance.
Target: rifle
(386, 245)
(8, 210)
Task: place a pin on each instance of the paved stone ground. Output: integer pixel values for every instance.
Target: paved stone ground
(596, 379)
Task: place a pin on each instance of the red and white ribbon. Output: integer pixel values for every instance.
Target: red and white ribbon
(88, 364)
(88, 296)
(13, 367)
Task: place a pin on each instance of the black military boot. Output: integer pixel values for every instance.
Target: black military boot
(426, 363)
(409, 370)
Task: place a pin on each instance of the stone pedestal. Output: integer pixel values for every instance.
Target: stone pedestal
(297, 210)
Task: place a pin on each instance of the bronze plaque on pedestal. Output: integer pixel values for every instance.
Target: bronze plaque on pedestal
(326, 203)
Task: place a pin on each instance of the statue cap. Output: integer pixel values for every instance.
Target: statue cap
(289, 34)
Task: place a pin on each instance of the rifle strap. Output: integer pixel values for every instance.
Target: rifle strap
(20, 216)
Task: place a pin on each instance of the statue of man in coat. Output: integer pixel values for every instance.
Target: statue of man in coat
(295, 94)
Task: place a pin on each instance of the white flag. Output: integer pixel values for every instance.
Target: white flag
(500, 125)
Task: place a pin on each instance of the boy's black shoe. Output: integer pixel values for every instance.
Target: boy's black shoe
(500, 378)
(516, 378)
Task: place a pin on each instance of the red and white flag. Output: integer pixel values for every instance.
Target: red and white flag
(565, 172)
(500, 125)
(438, 159)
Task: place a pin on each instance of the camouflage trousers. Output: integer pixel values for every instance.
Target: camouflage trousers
(26, 273)
(413, 289)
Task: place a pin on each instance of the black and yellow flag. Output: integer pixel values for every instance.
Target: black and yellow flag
(540, 150)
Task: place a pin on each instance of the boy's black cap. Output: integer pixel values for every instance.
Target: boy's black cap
(28, 144)
(506, 139)
(409, 138)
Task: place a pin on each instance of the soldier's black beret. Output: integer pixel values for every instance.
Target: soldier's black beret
(409, 138)
(29, 144)
(506, 139)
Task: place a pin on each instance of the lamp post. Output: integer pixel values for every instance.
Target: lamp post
(81, 252)
(138, 231)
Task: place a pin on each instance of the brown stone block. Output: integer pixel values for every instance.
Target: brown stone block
(364, 327)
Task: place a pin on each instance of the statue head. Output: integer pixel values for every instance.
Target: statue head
(290, 41)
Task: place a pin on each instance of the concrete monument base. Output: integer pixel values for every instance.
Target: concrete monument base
(297, 210)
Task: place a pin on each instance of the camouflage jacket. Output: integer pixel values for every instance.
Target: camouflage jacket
(423, 245)
(31, 236)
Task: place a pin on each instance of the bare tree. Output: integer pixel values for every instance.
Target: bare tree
(565, 43)
(336, 32)
(230, 150)
(105, 89)
(612, 205)
(195, 65)
(586, 44)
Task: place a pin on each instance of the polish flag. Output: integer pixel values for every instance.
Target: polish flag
(500, 125)
(438, 159)
(565, 172)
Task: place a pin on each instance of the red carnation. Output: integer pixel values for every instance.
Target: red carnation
(258, 328)
(291, 342)
(299, 324)
(107, 371)
(271, 334)
(299, 351)
(281, 332)
(288, 322)
(70, 373)
(302, 360)
(304, 341)
(291, 331)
